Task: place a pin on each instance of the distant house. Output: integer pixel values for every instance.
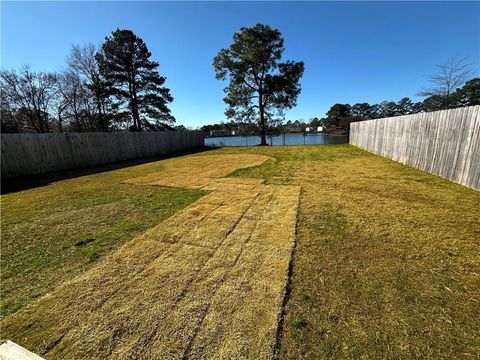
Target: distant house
(215, 133)
(293, 129)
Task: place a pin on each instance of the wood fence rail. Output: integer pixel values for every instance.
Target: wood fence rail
(445, 143)
(29, 154)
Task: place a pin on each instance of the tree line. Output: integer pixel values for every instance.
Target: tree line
(118, 87)
(449, 88)
(110, 88)
(339, 116)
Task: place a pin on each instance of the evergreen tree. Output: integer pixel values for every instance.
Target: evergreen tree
(404, 106)
(261, 87)
(387, 109)
(362, 110)
(124, 62)
(336, 113)
(468, 94)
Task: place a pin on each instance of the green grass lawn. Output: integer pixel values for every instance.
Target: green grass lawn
(54, 232)
(387, 262)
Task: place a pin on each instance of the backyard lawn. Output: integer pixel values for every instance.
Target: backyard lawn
(54, 232)
(386, 262)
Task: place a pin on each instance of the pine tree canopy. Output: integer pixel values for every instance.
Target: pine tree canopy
(124, 62)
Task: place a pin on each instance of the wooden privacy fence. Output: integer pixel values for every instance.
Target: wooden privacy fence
(444, 143)
(28, 154)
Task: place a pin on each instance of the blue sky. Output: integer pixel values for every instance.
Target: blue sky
(353, 51)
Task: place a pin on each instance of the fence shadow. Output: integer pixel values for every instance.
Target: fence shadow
(14, 184)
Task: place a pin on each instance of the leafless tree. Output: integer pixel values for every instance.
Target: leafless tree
(450, 76)
(72, 93)
(83, 63)
(81, 60)
(29, 96)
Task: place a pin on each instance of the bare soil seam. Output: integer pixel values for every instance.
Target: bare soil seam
(288, 288)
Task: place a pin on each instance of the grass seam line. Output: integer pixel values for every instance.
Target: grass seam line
(134, 351)
(192, 340)
(288, 286)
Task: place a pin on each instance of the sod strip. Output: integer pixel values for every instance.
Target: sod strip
(243, 317)
(192, 287)
(134, 296)
(196, 172)
(176, 332)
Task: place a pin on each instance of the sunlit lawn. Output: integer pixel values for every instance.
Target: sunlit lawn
(387, 263)
(54, 232)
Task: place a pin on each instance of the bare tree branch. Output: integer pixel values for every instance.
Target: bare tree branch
(450, 76)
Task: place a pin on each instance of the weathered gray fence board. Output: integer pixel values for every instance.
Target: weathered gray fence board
(444, 143)
(28, 154)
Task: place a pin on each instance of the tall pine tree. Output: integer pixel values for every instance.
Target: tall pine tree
(261, 87)
(124, 61)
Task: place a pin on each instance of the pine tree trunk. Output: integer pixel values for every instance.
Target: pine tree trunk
(133, 107)
(262, 129)
(263, 138)
(135, 114)
(101, 122)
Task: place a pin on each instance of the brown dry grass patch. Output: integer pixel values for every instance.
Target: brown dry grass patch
(197, 172)
(208, 282)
